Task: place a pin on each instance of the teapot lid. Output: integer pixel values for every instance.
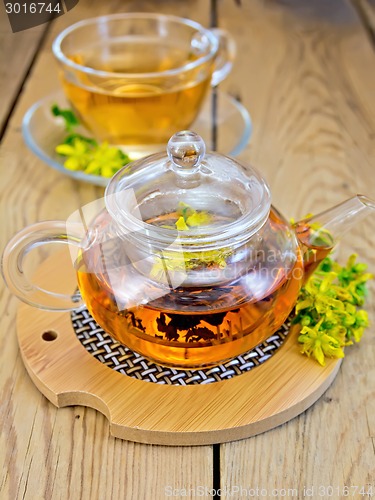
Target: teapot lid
(206, 197)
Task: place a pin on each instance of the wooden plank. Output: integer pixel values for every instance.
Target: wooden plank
(68, 453)
(319, 128)
(305, 70)
(17, 51)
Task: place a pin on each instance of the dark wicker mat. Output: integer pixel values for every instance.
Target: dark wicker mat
(118, 357)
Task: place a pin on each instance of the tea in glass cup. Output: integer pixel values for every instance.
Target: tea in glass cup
(134, 79)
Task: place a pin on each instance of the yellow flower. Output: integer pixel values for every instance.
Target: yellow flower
(96, 159)
(181, 224)
(318, 343)
(198, 219)
(189, 217)
(327, 309)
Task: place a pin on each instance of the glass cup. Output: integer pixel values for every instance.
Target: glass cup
(135, 79)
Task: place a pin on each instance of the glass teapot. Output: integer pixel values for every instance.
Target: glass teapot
(187, 262)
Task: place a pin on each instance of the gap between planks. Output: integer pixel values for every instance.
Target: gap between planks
(13, 102)
(365, 10)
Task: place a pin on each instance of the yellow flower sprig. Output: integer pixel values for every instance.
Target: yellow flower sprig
(190, 218)
(327, 309)
(94, 159)
(84, 153)
(182, 262)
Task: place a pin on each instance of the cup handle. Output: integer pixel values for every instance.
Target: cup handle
(16, 250)
(225, 57)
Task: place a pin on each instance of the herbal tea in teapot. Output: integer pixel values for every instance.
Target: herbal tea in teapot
(194, 324)
(188, 263)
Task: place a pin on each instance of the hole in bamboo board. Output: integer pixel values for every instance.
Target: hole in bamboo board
(49, 335)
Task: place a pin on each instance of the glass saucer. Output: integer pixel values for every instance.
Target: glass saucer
(42, 131)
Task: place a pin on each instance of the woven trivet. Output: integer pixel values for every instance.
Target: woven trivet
(122, 359)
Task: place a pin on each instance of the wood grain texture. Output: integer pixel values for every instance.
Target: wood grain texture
(303, 71)
(308, 81)
(17, 51)
(366, 11)
(68, 453)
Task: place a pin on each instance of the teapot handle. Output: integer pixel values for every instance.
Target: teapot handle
(15, 252)
(225, 57)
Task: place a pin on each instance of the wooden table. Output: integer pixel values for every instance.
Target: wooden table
(306, 72)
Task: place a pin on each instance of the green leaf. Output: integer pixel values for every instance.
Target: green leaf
(69, 139)
(70, 119)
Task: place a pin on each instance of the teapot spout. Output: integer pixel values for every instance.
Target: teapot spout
(320, 233)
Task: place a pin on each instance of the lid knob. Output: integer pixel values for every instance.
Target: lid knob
(186, 150)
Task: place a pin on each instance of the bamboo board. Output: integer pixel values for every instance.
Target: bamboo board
(261, 399)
